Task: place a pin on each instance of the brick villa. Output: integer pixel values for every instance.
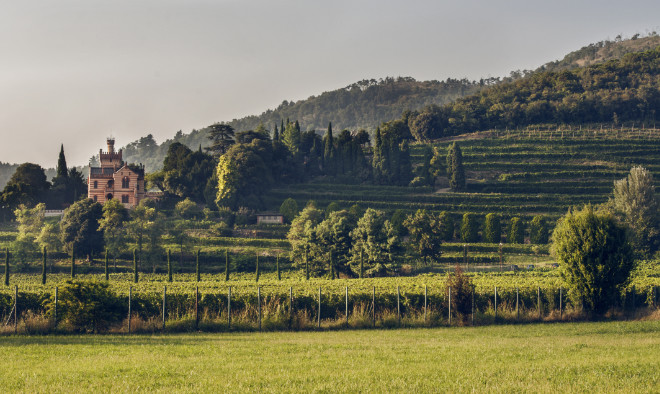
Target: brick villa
(116, 179)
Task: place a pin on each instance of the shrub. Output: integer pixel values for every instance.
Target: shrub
(594, 256)
(461, 292)
(88, 306)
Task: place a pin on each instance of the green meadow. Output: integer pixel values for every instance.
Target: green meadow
(584, 357)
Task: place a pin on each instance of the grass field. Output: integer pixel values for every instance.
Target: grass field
(593, 357)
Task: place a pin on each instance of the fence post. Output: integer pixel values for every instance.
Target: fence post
(517, 301)
(164, 304)
(472, 315)
(290, 306)
(130, 294)
(197, 306)
(398, 305)
(55, 312)
(373, 306)
(450, 306)
(346, 306)
(318, 317)
(259, 299)
(633, 300)
(561, 309)
(495, 302)
(538, 300)
(229, 309)
(425, 303)
(15, 309)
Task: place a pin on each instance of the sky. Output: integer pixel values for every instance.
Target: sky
(74, 72)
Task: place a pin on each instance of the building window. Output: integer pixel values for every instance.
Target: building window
(96, 184)
(95, 199)
(110, 183)
(137, 187)
(108, 197)
(124, 199)
(125, 183)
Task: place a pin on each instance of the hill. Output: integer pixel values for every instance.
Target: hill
(368, 103)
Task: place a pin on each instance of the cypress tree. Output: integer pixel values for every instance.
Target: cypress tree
(135, 266)
(43, 266)
(169, 265)
(197, 265)
(257, 270)
(73, 264)
(329, 152)
(455, 170)
(404, 167)
(492, 229)
(226, 265)
(107, 267)
(282, 129)
(277, 264)
(538, 230)
(6, 266)
(516, 231)
(62, 171)
(378, 157)
(276, 134)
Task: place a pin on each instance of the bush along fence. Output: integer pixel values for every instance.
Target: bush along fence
(92, 307)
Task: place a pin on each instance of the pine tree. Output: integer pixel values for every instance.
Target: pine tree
(276, 134)
(43, 266)
(292, 138)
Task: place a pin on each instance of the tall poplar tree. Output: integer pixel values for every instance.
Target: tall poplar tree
(455, 170)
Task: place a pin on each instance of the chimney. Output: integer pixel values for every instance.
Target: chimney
(111, 145)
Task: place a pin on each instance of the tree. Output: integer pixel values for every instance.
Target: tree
(302, 233)
(455, 170)
(446, 226)
(333, 242)
(49, 237)
(112, 225)
(636, 205)
(329, 152)
(492, 229)
(425, 231)
(243, 176)
(79, 228)
(28, 185)
(594, 256)
(146, 228)
(516, 231)
(370, 239)
(222, 138)
(538, 230)
(469, 228)
(185, 173)
(30, 221)
(292, 138)
(289, 209)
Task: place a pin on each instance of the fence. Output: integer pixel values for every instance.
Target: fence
(250, 309)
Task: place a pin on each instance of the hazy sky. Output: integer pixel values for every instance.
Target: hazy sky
(77, 71)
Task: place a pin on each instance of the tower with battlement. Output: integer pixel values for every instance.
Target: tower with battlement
(116, 179)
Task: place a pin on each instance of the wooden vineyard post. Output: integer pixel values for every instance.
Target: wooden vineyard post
(164, 304)
(55, 309)
(259, 301)
(472, 315)
(495, 303)
(373, 306)
(197, 266)
(538, 301)
(229, 309)
(290, 306)
(425, 302)
(561, 309)
(346, 306)
(73, 265)
(517, 303)
(449, 307)
(277, 264)
(130, 294)
(632, 308)
(43, 266)
(197, 306)
(227, 266)
(398, 305)
(465, 256)
(15, 309)
(107, 273)
(318, 317)
(501, 260)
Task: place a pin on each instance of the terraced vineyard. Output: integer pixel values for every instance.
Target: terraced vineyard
(513, 173)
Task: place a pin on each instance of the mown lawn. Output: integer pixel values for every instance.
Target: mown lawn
(611, 356)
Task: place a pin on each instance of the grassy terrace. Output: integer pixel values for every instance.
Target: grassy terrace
(575, 357)
(522, 174)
